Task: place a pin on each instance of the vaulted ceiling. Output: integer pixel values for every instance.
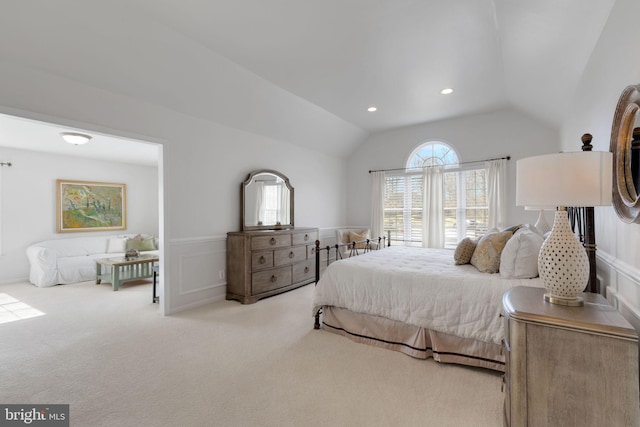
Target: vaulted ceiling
(347, 55)
(339, 56)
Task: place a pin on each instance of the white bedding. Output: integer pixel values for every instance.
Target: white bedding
(422, 287)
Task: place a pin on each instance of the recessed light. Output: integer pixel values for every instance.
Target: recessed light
(446, 91)
(372, 109)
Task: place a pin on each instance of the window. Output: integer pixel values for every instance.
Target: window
(270, 198)
(465, 201)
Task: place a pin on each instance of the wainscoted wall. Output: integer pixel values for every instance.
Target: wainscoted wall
(196, 269)
(622, 285)
(610, 69)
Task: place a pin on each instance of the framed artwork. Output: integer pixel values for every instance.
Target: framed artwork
(90, 206)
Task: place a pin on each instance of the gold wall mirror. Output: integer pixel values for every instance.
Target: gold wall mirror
(625, 147)
(267, 201)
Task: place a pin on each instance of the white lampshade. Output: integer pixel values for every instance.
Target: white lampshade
(580, 179)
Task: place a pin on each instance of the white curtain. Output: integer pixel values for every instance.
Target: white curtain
(377, 204)
(432, 208)
(497, 193)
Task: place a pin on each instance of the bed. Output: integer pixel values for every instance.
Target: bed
(417, 301)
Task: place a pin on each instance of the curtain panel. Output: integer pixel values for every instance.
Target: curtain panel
(432, 208)
(496, 193)
(377, 202)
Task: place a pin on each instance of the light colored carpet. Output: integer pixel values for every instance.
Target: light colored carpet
(116, 361)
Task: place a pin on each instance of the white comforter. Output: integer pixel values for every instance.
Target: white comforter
(422, 287)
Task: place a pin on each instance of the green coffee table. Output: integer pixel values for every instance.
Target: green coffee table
(125, 269)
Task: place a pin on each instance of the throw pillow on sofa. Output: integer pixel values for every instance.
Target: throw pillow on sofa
(146, 244)
(117, 245)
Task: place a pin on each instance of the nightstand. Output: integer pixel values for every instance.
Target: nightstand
(568, 366)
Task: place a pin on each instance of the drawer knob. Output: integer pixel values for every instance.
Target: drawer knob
(306, 269)
(291, 255)
(306, 237)
(274, 279)
(272, 241)
(262, 260)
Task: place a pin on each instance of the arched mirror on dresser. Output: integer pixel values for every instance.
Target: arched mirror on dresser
(267, 201)
(269, 255)
(625, 146)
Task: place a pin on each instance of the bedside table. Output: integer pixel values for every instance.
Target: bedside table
(568, 366)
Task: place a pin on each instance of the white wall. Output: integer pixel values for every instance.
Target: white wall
(29, 201)
(477, 137)
(204, 164)
(215, 120)
(614, 65)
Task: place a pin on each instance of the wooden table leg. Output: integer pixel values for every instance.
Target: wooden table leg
(155, 278)
(115, 277)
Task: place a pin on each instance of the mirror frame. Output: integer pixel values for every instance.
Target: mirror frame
(625, 197)
(244, 226)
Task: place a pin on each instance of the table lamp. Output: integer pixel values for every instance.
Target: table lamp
(541, 224)
(564, 179)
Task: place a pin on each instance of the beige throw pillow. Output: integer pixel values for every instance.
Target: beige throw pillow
(356, 237)
(486, 257)
(464, 251)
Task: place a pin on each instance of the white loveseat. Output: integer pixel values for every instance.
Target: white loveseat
(65, 261)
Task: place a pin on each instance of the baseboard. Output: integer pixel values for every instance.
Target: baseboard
(14, 280)
(220, 293)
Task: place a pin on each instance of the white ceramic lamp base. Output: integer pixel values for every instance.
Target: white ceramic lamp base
(542, 225)
(563, 264)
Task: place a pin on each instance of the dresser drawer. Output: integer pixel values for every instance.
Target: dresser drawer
(264, 281)
(303, 271)
(302, 238)
(270, 242)
(289, 255)
(261, 260)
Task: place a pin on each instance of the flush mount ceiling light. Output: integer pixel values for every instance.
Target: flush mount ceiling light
(75, 138)
(372, 109)
(446, 91)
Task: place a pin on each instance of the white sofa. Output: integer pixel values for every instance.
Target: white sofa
(65, 261)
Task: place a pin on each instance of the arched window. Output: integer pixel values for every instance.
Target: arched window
(465, 201)
(431, 154)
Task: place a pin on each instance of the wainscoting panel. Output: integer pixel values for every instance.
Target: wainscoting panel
(197, 272)
(622, 284)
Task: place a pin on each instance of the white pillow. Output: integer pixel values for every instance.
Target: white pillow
(117, 245)
(519, 258)
(531, 227)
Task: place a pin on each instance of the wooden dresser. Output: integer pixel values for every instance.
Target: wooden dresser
(568, 366)
(267, 262)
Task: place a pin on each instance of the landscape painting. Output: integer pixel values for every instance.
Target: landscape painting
(90, 206)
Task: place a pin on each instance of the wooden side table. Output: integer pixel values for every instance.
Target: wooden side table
(568, 366)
